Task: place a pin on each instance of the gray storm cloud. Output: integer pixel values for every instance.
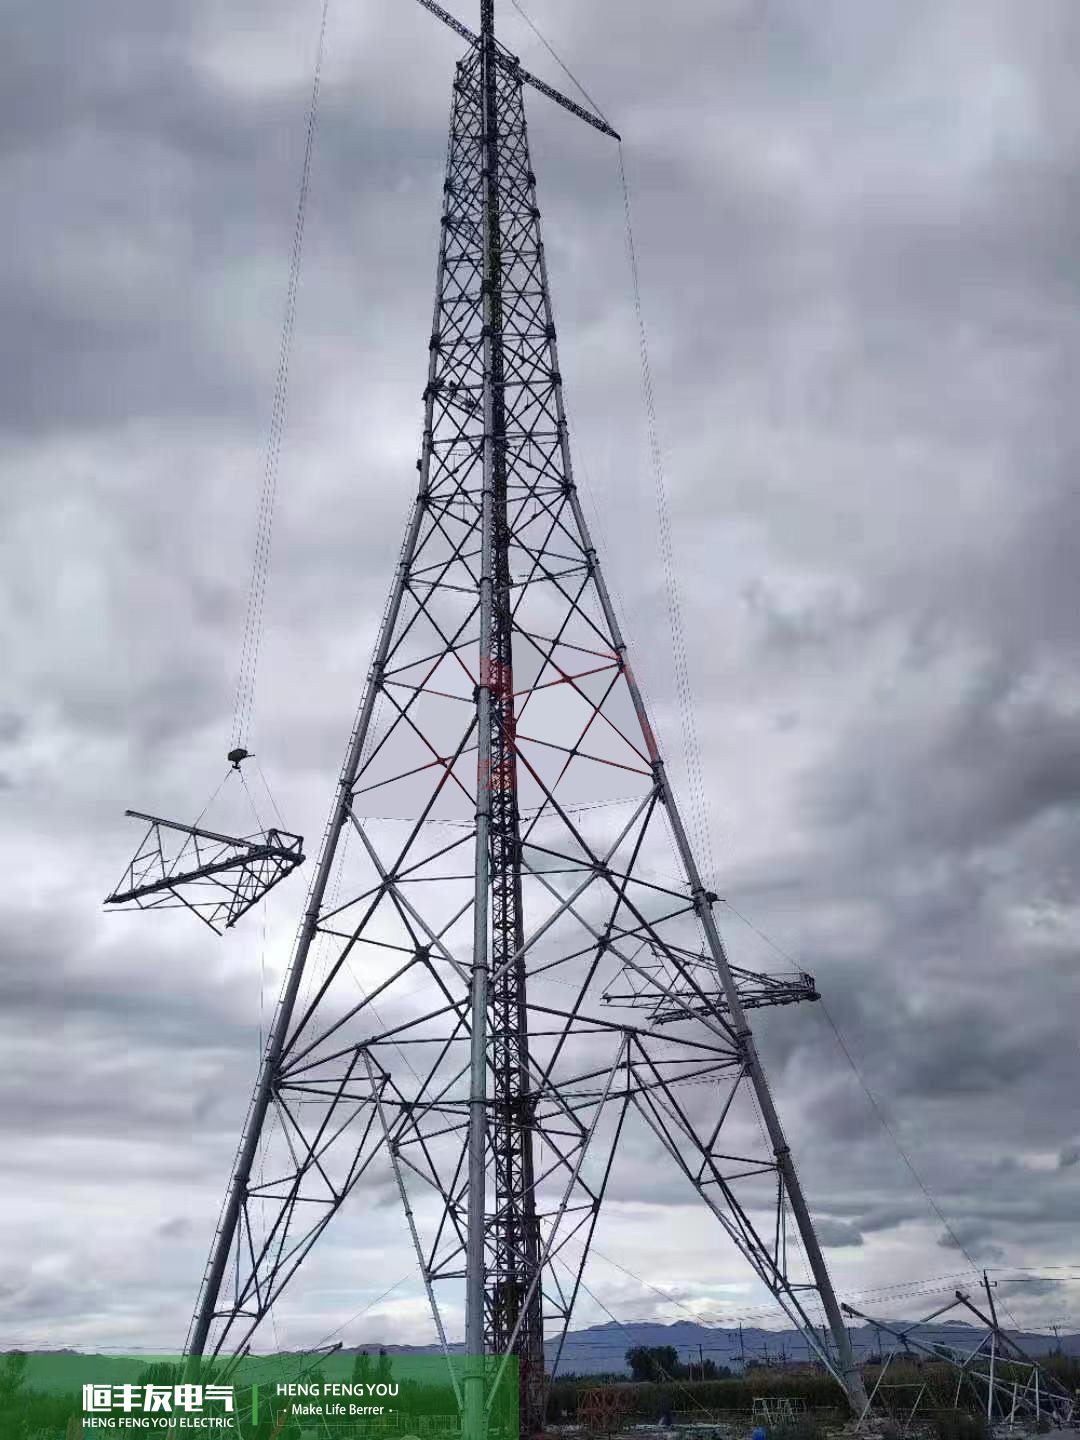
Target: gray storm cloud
(857, 229)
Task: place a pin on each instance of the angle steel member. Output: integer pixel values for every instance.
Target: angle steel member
(449, 1024)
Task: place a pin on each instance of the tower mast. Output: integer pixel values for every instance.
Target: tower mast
(503, 1248)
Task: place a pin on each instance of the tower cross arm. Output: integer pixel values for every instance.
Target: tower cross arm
(511, 63)
(451, 20)
(596, 121)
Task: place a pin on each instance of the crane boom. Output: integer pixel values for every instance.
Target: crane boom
(511, 63)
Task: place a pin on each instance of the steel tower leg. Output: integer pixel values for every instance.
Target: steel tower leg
(703, 902)
(261, 1100)
(240, 1181)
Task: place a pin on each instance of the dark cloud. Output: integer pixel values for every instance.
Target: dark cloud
(175, 1228)
(856, 231)
(1032, 1288)
(970, 1236)
(837, 1234)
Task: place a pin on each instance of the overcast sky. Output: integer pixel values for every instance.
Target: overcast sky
(857, 226)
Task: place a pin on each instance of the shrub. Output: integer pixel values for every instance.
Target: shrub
(961, 1425)
(803, 1427)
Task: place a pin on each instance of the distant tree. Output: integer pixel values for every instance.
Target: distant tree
(383, 1368)
(361, 1368)
(654, 1362)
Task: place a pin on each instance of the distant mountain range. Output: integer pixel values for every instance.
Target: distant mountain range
(601, 1349)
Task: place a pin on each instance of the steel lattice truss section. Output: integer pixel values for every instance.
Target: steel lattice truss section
(366, 1078)
(218, 877)
(1003, 1377)
(638, 987)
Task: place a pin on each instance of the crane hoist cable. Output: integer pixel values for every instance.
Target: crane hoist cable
(243, 704)
(699, 819)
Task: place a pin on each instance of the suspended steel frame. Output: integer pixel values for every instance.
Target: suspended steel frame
(456, 1022)
(217, 877)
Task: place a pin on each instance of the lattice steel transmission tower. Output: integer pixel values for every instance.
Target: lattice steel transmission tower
(486, 996)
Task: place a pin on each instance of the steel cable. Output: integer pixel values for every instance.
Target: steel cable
(684, 692)
(253, 622)
(872, 1098)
